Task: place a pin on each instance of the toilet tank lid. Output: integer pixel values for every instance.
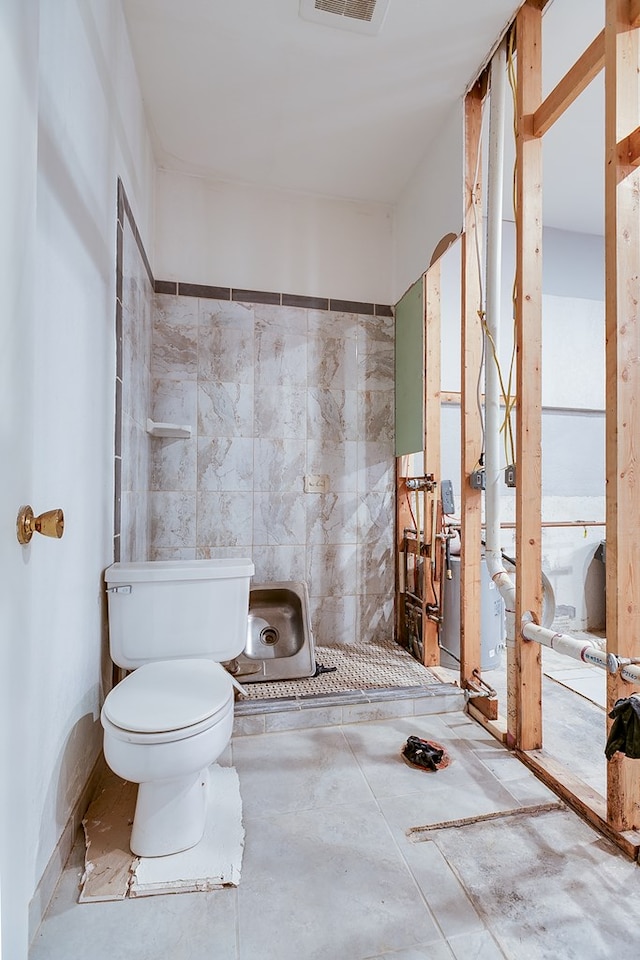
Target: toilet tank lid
(156, 570)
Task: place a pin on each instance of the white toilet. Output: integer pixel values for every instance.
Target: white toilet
(173, 623)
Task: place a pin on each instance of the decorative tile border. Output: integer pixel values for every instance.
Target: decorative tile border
(176, 288)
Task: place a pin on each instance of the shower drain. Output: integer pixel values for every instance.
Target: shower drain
(269, 636)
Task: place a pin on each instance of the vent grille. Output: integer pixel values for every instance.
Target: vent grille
(360, 16)
(356, 9)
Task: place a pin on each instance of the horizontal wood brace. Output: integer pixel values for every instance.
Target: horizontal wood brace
(575, 80)
(629, 148)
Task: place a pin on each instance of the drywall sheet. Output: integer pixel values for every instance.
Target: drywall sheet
(112, 872)
(409, 387)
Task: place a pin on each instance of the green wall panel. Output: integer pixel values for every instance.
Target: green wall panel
(410, 371)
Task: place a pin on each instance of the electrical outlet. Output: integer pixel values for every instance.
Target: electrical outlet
(316, 483)
(477, 479)
(448, 502)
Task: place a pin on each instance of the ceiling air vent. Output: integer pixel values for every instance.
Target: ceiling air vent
(362, 16)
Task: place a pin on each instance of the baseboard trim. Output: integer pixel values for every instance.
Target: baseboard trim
(53, 870)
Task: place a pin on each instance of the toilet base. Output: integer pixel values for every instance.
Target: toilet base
(170, 815)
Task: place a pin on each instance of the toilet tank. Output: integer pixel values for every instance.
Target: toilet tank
(166, 610)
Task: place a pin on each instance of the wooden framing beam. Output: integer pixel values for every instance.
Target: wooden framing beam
(524, 669)
(622, 319)
(471, 358)
(580, 797)
(570, 87)
(634, 13)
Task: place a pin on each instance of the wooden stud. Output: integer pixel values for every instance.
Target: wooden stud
(471, 356)
(570, 87)
(525, 675)
(622, 251)
(634, 13)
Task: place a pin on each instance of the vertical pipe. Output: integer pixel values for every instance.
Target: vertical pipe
(492, 467)
(495, 176)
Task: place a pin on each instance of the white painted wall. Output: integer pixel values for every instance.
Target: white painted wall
(18, 109)
(430, 206)
(240, 235)
(75, 123)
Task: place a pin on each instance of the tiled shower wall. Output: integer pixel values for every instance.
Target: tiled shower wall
(274, 393)
(134, 305)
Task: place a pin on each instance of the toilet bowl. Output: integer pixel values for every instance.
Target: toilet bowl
(164, 725)
(172, 717)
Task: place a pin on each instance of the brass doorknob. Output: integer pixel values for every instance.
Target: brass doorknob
(49, 524)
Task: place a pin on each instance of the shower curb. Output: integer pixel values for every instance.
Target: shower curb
(349, 706)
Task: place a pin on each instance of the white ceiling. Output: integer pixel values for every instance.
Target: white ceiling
(245, 90)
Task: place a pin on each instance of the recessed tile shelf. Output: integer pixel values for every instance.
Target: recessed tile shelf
(174, 431)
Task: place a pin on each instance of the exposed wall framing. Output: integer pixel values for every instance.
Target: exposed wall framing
(622, 253)
(617, 49)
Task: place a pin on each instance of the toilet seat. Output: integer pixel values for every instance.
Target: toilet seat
(168, 700)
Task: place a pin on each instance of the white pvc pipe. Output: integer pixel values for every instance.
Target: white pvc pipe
(580, 650)
(495, 176)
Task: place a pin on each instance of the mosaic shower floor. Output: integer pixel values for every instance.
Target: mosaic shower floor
(367, 665)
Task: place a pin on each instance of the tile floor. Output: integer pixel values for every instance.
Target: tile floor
(330, 874)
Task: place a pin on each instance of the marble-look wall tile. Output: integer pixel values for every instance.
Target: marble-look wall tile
(134, 538)
(279, 518)
(173, 464)
(136, 454)
(375, 333)
(280, 412)
(376, 567)
(332, 363)
(334, 620)
(288, 319)
(283, 392)
(170, 309)
(222, 553)
(376, 466)
(172, 553)
(331, 569)
(135, 383)
(225, 463)
(225, 409)
(332, 518)
(225, 354)
(172, 519)
(338, 461)
(328, 323)
(276, 563)
(376, 412)
(376, 516)
(332, 414)
(175, 350)
(134, 327)
(376, 371)
(279, 465)
(280, 359)
(226, 314)
(225, 519)
(375, 617)
(174, 401)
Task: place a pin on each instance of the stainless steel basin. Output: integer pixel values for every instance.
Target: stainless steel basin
(279, 638)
